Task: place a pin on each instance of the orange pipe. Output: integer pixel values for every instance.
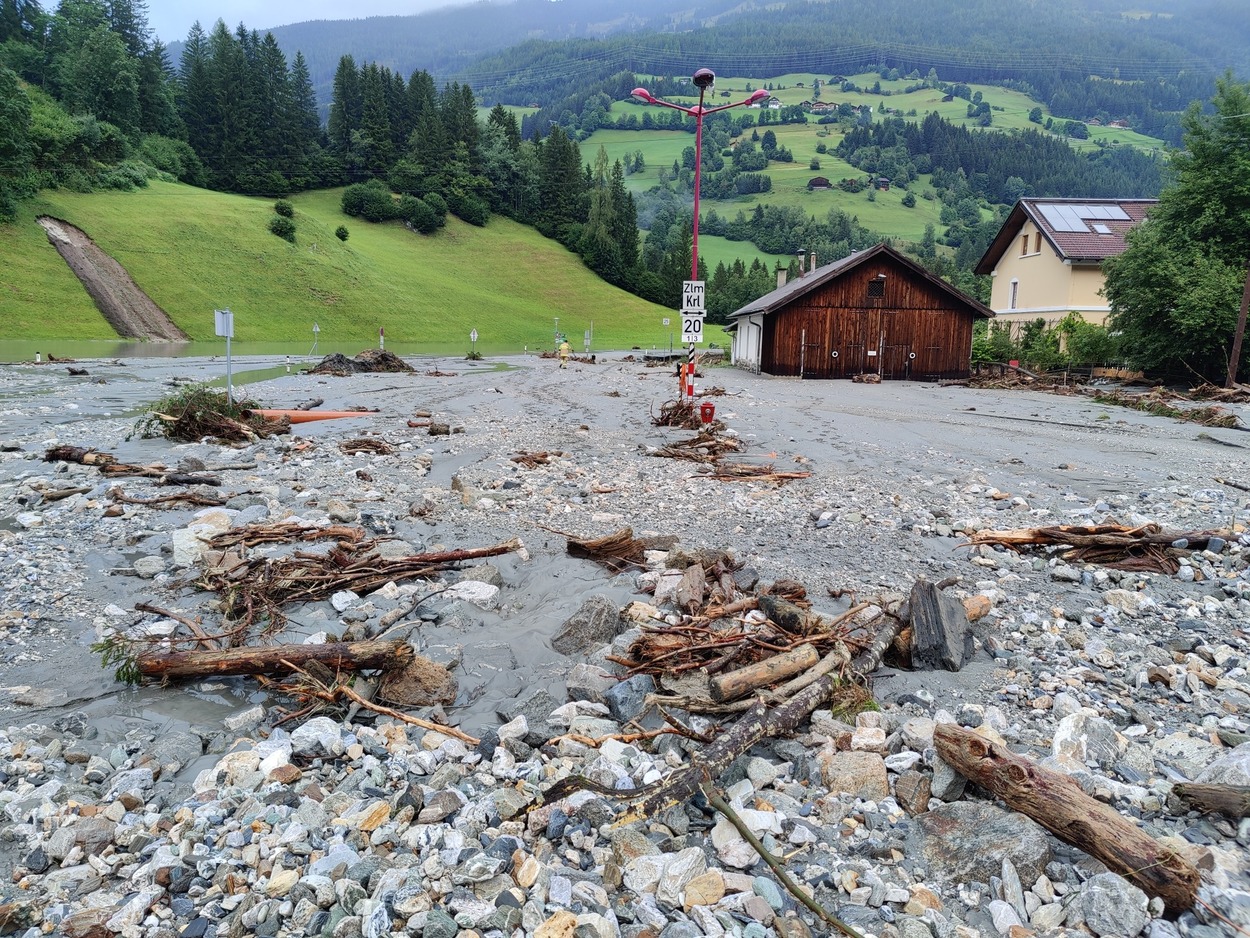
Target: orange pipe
(307, 416)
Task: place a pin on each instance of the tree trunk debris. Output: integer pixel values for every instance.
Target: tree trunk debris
(1233, 800)
(274, 659)
(533, 460)
(1145, 548)
(738, 683)
(1059, 805)
(616, 551)
(941, 634)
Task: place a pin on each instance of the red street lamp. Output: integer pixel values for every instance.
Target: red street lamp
(703, 80)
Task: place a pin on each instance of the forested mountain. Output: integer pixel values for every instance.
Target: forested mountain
(445, 42)
(1080, 57)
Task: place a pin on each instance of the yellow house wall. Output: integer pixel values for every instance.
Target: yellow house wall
(1047, 288)
(1041, 275)
(1086, 284)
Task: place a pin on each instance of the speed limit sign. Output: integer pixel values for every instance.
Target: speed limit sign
(692, 328)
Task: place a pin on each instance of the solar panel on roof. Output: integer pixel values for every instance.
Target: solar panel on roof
(1103, 211)
(1053, 216)
(1061, 217)
(1071, 216)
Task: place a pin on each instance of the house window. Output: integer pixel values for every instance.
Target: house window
(1024, 246)
(876, 288)
(1037, 243)
(1015, 289)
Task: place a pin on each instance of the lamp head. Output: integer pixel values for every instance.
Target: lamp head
(758, 95)
(642, 94)
(704, 78)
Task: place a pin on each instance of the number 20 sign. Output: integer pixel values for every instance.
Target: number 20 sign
(692, 327)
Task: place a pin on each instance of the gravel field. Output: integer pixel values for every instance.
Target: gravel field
(181, 810)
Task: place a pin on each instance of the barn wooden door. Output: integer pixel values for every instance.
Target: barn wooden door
(872, 342)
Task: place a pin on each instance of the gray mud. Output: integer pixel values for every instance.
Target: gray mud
(897, 470)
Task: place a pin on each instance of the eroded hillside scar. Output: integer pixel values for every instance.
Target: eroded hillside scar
(122, 302)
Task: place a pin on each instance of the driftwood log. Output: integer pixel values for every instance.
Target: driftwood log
(275, 659)
(85, 457)
(757, 723)
(738, 683)
(1233, 800)
(1059, 805)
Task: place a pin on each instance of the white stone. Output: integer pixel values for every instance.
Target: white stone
(642, 874)
(476, 593)
(868, 739)
(1130, 603)
(681, 868)
(344, 600)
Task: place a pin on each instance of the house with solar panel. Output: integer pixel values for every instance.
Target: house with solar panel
(1046, 260)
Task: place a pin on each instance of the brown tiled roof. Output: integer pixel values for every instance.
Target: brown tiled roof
(1077, 239)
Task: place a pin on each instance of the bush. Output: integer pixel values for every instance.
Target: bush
(909, 200)
(125, 176)
(284, 208)
(814, 164)
(284, 228)
(174, 157)
(369, 200)
(439, 204)
(471, 209)
(341, 232)
(422, 218)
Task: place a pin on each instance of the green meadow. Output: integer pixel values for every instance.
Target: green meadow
(194, 251)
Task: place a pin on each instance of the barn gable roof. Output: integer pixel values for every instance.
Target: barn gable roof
(800, 286)
(1081, 231)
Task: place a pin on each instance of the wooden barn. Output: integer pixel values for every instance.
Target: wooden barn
(874, 312)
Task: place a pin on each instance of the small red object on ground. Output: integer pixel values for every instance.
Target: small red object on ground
(707, 411)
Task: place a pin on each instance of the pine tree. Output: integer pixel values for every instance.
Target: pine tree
(346, 105)
(196, 99)
(278, 130)
(398, 109)
(624, 219)
(374, 139)
(129, 20)
(306, 123)
(230, 158)
(561, 186)
(458, 110)
(157, 105)
(598, 247)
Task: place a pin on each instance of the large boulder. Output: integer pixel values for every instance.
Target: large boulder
(968, 841)
(595, 624)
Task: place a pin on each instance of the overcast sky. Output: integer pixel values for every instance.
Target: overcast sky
(171, 19)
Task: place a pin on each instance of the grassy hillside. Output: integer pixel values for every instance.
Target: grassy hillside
(194, 251)
(885, 212)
